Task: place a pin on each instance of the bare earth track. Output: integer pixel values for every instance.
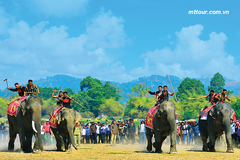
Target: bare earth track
(132, 152)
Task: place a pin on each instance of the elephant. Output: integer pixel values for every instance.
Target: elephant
(63, 133)
(218, 121)
(164, 124)
(26, 123)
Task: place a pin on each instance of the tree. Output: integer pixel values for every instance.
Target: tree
(4, 107)
(140, 89)
(217, 83)
(94, 93)
(111, 108)
(190, 85)
(139, 102)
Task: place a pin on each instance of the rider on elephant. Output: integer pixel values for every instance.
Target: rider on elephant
(212, 98)
(19, 89)
(163, 96)
(31, 88)
(222, 96)
(58, 98)
(67, 100)
(156, 92)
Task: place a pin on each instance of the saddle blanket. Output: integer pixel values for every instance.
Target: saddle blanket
(13, 107)
(53, 118)
(205, 113)
(149, 119)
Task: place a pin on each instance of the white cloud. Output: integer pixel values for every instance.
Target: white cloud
(60, 8)
(39, 51)
(191, 57)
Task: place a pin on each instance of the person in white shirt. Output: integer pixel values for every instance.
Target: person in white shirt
(141, 128)
(84, 134)
(98, 131)
(185, 129)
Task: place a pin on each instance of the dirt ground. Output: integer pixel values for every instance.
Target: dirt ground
(106, 151)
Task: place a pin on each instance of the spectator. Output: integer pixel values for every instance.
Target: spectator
(84, 134)
(118, 137)
(185, 129)
(42, 132)
(178, 133)
(114, 132)
(77, 133)
(233, 133)
(6, 131)
(98, 131)
(141, 134)
(2, 131)
(196, 132)
(47, 135)
(87, 123)
(81, 123)
(125, 129)
(108, 134)
(121, 128)
(93, 128)
(131, 131)
(190, 132)
(103, 133)
(88, 132)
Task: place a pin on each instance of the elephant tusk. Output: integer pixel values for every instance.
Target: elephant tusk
(33, 126)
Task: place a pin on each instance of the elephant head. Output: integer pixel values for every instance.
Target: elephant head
(70, 116)
(33, 109)
(222, 113)
(166, 111)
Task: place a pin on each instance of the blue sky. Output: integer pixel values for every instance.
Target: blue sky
(117, 40)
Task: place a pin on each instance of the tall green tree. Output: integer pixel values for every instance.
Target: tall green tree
(139, 102)
(190, 85)
(94, 93)
(4, 107)
(111, 108)
(217, 83)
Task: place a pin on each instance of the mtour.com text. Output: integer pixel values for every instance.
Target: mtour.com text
(214, 12)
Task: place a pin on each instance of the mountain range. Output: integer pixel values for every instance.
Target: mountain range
(65, 81)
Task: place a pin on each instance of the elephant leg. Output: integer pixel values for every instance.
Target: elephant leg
(211, 145)
(157, 143)
(12, 132)
(59, 139)
(29, 142)
(204, 140)
(22, 138)
(229, 143)
(149, 136)
(161, 142)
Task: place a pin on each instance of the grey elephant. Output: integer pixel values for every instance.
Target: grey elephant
(218, 121)
(26, 123)
(164, 124)
(64, 133)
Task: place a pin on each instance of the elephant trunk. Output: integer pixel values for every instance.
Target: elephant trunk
(173, 131)
(36, 126)
(71, 136)
(226, 122)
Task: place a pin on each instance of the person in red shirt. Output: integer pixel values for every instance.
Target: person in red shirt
(19, 89)
(67, 100)
(222, 96)
(212, 100)
(47, 134)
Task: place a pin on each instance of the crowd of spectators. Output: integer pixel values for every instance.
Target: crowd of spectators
(113, 132)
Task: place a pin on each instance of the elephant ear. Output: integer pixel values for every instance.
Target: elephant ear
(77, 116)
(22, 106)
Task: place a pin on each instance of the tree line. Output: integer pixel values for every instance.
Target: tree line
(102, 99)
